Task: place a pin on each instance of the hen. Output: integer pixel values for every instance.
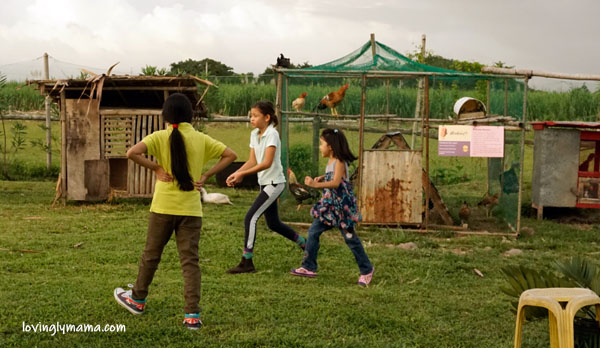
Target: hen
(299, 191)
(489, 202)
(298, 103)
(332, 100)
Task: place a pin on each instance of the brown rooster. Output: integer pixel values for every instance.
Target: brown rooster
(489, 202)
(332, 100)
(464, 214)
(299, 191)
(298, 103)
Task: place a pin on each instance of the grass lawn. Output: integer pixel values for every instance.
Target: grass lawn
(425, 297)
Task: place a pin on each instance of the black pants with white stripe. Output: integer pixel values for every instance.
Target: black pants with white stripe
(266, 203)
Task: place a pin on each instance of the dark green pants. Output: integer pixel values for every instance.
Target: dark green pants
(187, 234)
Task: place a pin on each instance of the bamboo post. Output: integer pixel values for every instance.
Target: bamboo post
(522, 159)
(315, 146)
(285, 129)
(387, 103)
(48, 119)
(278, 87)
(373, 48)
(63, 147)
(419, 97)
(361, 126)
(505, 97)
(487, 97)
(426, 116)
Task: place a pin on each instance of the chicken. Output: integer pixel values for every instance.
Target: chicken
(298, 103)
(299, 191)
(489, 202)
(332, 100)
(215, 198)
(464, 213)
(282, 61)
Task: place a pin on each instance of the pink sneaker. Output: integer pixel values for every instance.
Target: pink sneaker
(303, 272)
(365, 279)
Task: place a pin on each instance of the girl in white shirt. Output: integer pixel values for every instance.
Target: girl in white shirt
(265, 160)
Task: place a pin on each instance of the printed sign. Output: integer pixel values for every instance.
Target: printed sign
(470, 141)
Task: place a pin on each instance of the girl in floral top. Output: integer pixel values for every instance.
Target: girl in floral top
(337, 207)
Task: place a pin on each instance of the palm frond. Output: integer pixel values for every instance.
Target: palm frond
(581, 271)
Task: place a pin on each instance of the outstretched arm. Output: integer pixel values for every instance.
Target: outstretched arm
(252, 167)
(338, 173)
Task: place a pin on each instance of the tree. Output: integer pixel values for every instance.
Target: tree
(150, 70)
(199, 67)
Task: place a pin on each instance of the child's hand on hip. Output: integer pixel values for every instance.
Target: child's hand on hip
(308, 181)
(198, 184)
(162, 175)
(234, 178)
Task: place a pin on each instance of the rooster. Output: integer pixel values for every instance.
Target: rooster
(489, 202)
(464, 214)
(332, 100)
(299, 191)
(298, 103)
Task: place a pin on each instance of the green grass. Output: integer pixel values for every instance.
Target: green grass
(428, 297)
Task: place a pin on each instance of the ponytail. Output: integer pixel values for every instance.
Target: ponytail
(179, 163)
(177, 109)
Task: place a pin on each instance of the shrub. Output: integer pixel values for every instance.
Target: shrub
(300, 160)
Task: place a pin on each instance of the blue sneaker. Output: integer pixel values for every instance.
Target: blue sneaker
(192, 321)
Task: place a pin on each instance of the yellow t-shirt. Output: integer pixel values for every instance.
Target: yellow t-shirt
(200, 148)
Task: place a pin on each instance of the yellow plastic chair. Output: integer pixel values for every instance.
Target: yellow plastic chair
(562, 305)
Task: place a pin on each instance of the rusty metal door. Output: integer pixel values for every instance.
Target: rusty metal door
(391, 187)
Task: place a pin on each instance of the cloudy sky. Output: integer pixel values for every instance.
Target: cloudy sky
(550, 35)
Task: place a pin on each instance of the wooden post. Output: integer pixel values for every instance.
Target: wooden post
(48, 119)
(373, 48)
(278, 87)
(387, 103)
(505, 97)
(285, 126)
(419, 98)
(361, 126)
(315, 145)
(63, 147)
(522, 159)
(426, 102)
(487, 97)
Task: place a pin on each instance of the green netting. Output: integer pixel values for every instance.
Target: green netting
(386, 59)
(503, 176)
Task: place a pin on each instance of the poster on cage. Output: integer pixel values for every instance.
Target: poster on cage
(454, 141)
(470, 141)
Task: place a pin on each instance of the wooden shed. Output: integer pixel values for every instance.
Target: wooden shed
(101, 118)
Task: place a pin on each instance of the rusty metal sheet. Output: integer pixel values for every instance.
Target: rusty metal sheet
(391, 187)
(555, 167)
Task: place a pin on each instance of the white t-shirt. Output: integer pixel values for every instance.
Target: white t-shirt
(273, 174)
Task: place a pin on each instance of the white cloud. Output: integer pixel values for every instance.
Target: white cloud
(248, 35)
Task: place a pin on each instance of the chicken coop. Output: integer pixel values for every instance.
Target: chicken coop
(393, 179)
(101, 118)
(566, 165)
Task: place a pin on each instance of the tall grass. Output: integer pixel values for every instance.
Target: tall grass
(236, 99)
(21, 97)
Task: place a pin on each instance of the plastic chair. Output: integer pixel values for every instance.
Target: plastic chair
(562, 305)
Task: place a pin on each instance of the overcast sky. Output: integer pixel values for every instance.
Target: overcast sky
(550, 35)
